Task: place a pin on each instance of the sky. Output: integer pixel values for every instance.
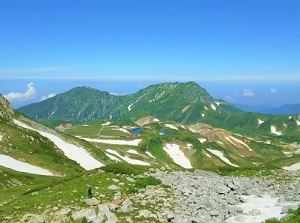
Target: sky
(242, 51)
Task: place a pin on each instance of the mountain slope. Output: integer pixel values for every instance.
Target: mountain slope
(182, 102)
(290, 109)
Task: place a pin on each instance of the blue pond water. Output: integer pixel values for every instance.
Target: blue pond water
(136, 130)
(164, 132)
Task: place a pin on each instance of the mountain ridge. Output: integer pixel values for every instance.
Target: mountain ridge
(182, 102)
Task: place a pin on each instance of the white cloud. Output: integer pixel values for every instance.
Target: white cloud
(48, 96)
(30, 93)
(273, 90)
(248, 93)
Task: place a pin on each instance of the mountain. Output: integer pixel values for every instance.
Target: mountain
(253, 108)
(6, 111)
(290, 109)
(181, 102)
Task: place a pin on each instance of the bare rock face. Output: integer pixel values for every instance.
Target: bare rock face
(6, 111)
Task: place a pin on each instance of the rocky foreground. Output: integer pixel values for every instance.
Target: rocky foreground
(192, 197)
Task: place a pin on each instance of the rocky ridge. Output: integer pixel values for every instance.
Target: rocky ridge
(6, 111)
(192, 197)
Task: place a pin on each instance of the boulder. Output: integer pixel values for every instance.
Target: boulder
(33, 218)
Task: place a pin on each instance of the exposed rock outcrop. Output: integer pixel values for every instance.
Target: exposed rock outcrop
(6, 111)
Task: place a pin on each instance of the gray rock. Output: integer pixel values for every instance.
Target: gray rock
(65, 212)
(33, 218)
(79, 215)
(126, 206)
(104, 211)
(92, 201)
(113, 187)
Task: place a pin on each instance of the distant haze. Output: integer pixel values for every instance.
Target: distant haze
(21, 92)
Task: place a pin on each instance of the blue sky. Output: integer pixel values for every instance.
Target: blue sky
(241, 51)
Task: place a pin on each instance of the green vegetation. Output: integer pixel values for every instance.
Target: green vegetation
(294, 217)
(142, 183)
(124, 168)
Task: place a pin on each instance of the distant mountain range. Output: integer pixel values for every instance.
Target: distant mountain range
(289, 109)
(180, 102)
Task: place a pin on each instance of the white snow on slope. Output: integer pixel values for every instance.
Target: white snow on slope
(290, 117)
(17, 165)
(106, 123)
(202, 140)
(238, 141)
(113, 157)
(260, 121)
(202, 115)
(1, 137)
(298, 122)
(177, 155)
(222, 157)
(76, 153)
(189, 146)
(134, 142)
(123, 130)
(129, 106)
(218, 102)
(274, 131)
(268, 206)
(156, 120)
(213, 107)
(293, 167)
(171, 126)
(149, 154)
(205, 108)
(127, 159)
(133, 151)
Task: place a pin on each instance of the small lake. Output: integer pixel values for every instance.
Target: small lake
(164, 132)
(136, 130)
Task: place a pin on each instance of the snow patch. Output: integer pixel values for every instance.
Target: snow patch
(189, 146)
(268, 206)
(149, 154)
(156, 120)
(123, 130)
(209, 156)
(129, 106)
(290, 117)
(260, 121)
(293, 167)
(177, 155)
(183, 127)
(218, 102)
(127, 159)
(274, 131)
(113, 157)
(1, 137)
(205, 108)
(85, 125)
(202, 140)
(76, 153)
(134, 142)
(238, 141)
(222, 157)
(213, 107)
(298, 122)
(220, 142)
(20, 166)
(106, 123)
(171, 126)
(133, 151)
(202, 115)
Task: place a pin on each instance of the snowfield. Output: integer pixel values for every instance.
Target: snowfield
(1, 137)
(127, 159)
(113, 157)
(20, 166)
(133, 151)
(260, 121)
(293, 167)
(106, 123)
(134, 142)
(171, 126)
(76, 153)
(257, 209)
(149, 154)
(213, 107)
(123, 130)
(274, 131)
(298, 122)
(222, 157)
(177, 155)
(202, 140)
(238, 141)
